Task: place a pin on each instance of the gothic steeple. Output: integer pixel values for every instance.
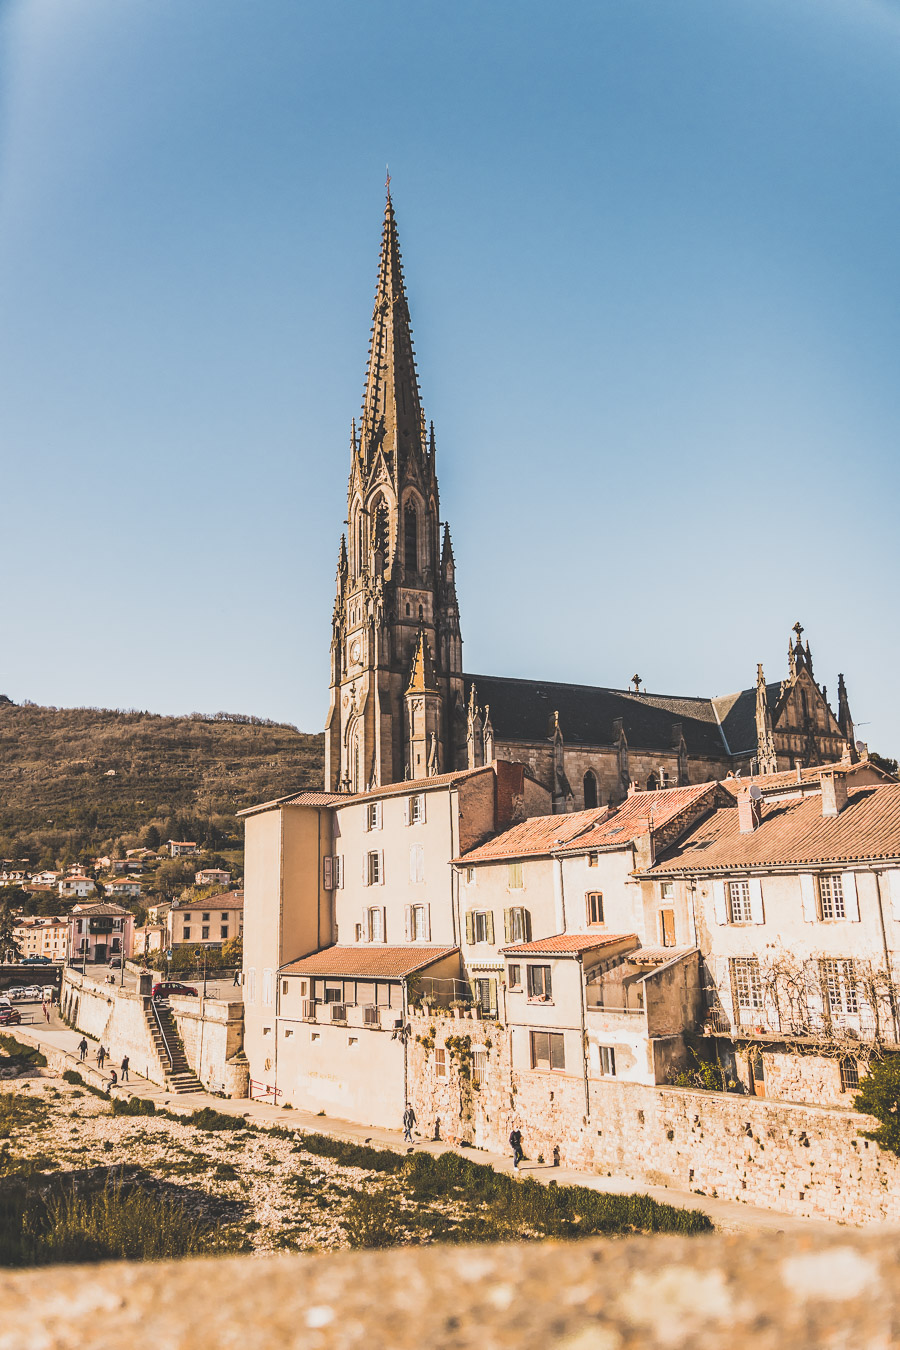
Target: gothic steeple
(392, 417)
(396, 595)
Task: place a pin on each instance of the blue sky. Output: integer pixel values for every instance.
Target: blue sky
(651, 251)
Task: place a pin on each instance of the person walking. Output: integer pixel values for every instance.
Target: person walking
(237, 977)
(515, 1143)
(101, 1056)
(125, 1068)
(46, 1010)
(409, 1120)
(82, 1049)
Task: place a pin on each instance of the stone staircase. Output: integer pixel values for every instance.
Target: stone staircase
(180, 1077)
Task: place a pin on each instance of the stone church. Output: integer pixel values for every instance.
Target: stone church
(403, 708)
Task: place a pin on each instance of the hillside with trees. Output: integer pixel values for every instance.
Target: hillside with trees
(79, 780)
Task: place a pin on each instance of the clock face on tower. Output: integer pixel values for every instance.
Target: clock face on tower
(355, 650)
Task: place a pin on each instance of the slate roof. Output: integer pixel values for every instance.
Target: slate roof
(568, 944)
(521, 711)
(792, 832)
(370, 961)
(736, 714)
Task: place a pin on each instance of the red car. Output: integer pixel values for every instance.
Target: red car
(167, 987)
(9, 1017)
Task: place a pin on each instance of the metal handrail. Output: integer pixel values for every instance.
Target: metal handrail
(162, 1032)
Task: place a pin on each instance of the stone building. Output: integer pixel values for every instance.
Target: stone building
(401, 706)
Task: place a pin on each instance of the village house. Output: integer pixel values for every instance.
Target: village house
(208, 922)
(182, 848)
(77, 887)
(42, 936)
(349, 900)
(98, 932)
(212, 876)
(795, 902)
(124, 889)
(149, 937)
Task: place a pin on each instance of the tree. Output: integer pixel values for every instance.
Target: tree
(9, 948)
(151, 837)
(883, 762)
(233, 952)
(879, 1096)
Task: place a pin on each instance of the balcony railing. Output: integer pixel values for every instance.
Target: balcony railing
(338, 1012)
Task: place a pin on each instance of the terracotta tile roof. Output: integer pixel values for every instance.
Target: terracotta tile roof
(369, 961)
(779, 782)
(303, 798)
(793, 832)
(633, 817)
(571, 944)
(588, 831)
(540, 834)
(82, 911)
(228, 900)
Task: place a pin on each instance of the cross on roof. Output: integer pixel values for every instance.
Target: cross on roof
(798, 629)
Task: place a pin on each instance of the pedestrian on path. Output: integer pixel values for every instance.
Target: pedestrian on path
(515, 1143)
(409, 1120)
(237, 977)
(82, 1049)
(46, 1011)
(113, 1078)
(101, 1056)
(124, 1068)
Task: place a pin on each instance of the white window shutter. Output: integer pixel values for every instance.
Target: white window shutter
(339, 863)
(893, 879)
(384, 924)
(405, 810)
(757, 914)
(720, 908)
(851, 899)
(427, 923)
(409, 923)
(413, 863)
(808, 896)
(381, 867)
(422, 801)
(328, 873)
(365, 925)
(365, 862)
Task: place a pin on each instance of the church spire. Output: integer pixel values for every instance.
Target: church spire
(392, 416)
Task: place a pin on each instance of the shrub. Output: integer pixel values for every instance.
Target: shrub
(72, 1076)
(210, 1119)
(133, 1106)
(370, 1220)
(879, 1096)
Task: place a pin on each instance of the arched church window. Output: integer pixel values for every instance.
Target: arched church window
(805, 705)
(408, 610)
(591, 795)
(652, 783)
(411, 538)
(360, 542)
(380, 535)
(356, 759)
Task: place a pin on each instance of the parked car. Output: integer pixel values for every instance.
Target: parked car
(16, 991)
(37, 961)
(167, 987)
(5, 1004)
(49, 992)
(31, 992)
(115, 962)
(9, 1017)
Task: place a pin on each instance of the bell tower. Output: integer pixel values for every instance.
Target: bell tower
(395, 628)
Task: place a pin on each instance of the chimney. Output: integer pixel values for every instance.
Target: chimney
(644, 851)
(834, 792)
(749, 813)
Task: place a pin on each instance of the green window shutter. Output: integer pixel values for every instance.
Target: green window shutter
(490, 926)
(507, 926)
(527, 924)
(470, 928)
(493, 995)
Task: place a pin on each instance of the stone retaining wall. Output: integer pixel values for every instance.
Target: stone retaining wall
(808, 1161)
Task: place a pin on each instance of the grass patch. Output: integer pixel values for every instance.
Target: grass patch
(71, 1076)
(19, 1111)
(348, 1154)
(133, 1106)
(371, 1220)
(507, 1206)
(116, 1223)
(16, 1052)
